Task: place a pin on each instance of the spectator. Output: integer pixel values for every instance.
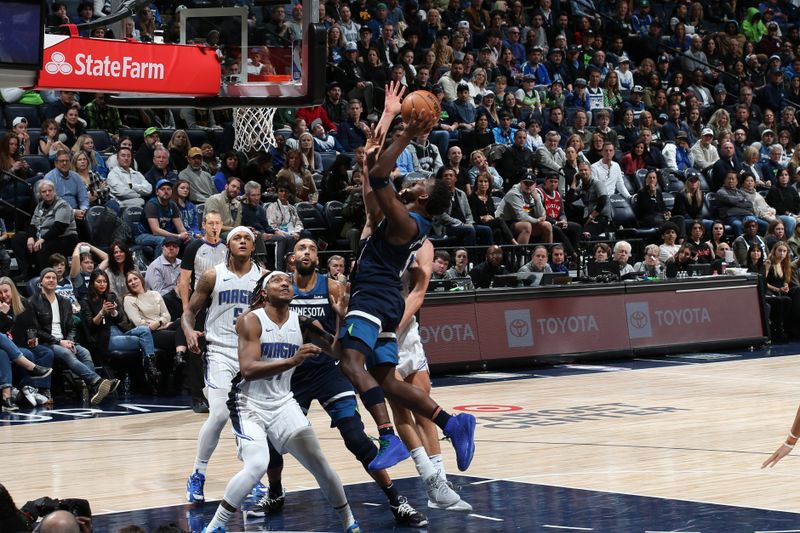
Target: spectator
(101, 116)
(746, 240)
(127, 185)
(52, 230)
(482, 206)
(66, 99)
(459, 270)
(161, 219)
(56, 330)
(785, 200)
(608, 172)
(282, 216)
(71, 126)
(49, 142)
(538, 262)
(680, 261)
(147, 308)
(120, 263)
(82, 265)
(592, 193)
(297, 179)
(68, 185)
(481, 165)
(522, 209)
(188, 211)
(517, 162)
(352, 131)
(701, 251)
(179, 146)
(651, 266)
(441, 260)
(144, 155)
(106, 330)
(463, 178)
(649, 203)
(669, 236)
(780, 291)
(703, 151)
(201, 184)
(622, 254)
(161, 169)
(483, 273)
(227, 204)
(763, 212)
(457, 220)
(353, 212)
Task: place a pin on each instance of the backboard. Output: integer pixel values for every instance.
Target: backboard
(264, 63)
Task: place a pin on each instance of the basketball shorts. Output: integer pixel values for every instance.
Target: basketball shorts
(324, 382)
(220, 369)
(381, 346)
(256, 425)
(411, 354)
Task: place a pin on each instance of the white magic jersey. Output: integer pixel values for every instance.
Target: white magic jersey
(229, 299)
(276, 343)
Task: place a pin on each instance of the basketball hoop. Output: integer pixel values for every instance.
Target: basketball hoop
(252, 127)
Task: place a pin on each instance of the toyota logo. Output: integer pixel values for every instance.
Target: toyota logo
(518, 327)
(638, 319)
(58, 64)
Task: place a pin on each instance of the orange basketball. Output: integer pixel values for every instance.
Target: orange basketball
(419, 101)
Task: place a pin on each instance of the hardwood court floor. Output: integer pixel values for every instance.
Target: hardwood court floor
(675, 430)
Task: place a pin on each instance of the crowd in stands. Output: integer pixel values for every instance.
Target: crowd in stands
(559, 133)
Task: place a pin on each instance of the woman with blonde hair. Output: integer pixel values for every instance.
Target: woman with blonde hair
(780, 290)
(147, 308)
(477, 84)
(311, 159)
(85, 143)
(297, 179)
(95, 184)
(178, 147)
(720, 123)
(612, 98)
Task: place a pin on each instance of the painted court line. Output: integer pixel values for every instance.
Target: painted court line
(493, 519)
(568, 528)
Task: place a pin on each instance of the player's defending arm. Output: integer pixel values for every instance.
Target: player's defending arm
(420, 277)
(204, 287)
(786, 447)
(248, 327)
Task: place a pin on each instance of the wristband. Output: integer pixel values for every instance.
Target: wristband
(379, 183)
(790, 446)
(793, 436)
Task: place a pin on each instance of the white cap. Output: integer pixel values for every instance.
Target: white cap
(707, 131)
(237, 230)
(18, 120)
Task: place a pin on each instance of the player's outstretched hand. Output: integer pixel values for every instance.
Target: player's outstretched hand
(782, 451)
(305, 351)
(422, 121)
(392, 102)
(192, 340)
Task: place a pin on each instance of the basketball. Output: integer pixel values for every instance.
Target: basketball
(419, 101)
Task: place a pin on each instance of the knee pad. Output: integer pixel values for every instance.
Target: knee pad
(373, 396)
(356, 440)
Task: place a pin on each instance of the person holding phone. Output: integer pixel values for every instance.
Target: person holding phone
(108, 329)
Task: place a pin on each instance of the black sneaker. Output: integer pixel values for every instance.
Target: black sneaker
(40, 371)
(100, 390)
(179, 361)
(269, 505)
(199, 406)
(114, 384)
(405, 515)
(8, 405)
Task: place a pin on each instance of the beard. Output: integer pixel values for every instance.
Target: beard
(305, 270)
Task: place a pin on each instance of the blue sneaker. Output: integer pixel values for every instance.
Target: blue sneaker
(460, 429)
(353, 528)
(259, 490)
(194, 488)
(392, 451)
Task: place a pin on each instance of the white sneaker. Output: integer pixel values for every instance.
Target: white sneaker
(442, 496)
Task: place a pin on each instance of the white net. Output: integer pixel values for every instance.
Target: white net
(253, 128)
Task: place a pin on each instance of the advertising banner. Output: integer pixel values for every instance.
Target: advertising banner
(450, 332)
(104, 65)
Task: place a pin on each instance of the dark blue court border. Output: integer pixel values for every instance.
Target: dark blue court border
(498, 506)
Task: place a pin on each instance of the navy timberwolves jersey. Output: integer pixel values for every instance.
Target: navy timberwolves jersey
(380, 263)
(315, 304)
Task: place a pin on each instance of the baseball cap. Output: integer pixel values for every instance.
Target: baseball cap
(528, 77)
(488, 92)
(573, 48)
(663, 59)
(381, 6)
(558, 81)
(365, 28)
(719, 88)
(195, 151)
(163, 181)
(637, 89)
(693, 176)
(351, 47)
(775, 56)
(19, 120)
(150, 131)
(624, 59)
(171, 239)
(463, 24)
(486, 49)
(776, 71)
(580, 82)
(766, 131)
(682, 135)
(644, 3)
(673, 90)
(707, 131)
(528, 178)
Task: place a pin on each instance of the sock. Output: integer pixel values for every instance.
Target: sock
(424, 465)
(220, 519)
(200, 466)
(441, 418)
(345, 515)
(438, 464)
(392, 494)
(386, 429)
(275, 489)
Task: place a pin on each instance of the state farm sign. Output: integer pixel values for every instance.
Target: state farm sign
(115, 66)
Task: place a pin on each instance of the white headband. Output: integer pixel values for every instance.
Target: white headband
(237, 230)
(272, 275)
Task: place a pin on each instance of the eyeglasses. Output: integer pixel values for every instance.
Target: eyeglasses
(62, 160)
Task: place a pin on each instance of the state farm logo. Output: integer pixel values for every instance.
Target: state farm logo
(639, 324)
(58, 64)
(519, 332)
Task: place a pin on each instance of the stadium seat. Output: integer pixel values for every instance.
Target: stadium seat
(201, 209)
(334, 220)
(669, 200)
(92, 218)
(327, 160)
(164, 136)
(625, 220)
(30, 112)
(639, 178)
(197, 136)
(39, 164)
(311, 218)
(32, 286)
(101, 138)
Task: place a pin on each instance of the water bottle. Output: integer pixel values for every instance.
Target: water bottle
(84, 394)
(126, 386)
